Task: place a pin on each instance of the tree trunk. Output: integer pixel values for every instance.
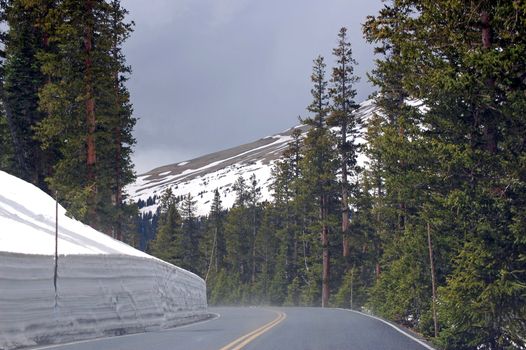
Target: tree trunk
(254, 232)
(433, 281)
(403, 165)
(118, 185)
(303, 226)
(490, 130)
(378, 271)
(345, 210)
(118, 160)
(352, 287)
(345, 195)
(326, 258)
(378, 248)
(212, 255)
(91, 157)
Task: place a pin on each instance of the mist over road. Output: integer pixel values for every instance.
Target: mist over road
(255, 328)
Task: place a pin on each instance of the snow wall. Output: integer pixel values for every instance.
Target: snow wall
(104, 287)
(97, 295)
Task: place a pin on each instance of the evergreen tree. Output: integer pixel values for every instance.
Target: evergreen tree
(238, 233)
(319, 166)
(267, 248)
(88, 112)
(164, 244)
(342, 116)
(288, 207)
(254, 195)
(187, 246)
(241, 189)
(22, 80)
(214, 245)
(122, 120)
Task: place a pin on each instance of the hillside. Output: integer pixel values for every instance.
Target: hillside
(201, 176)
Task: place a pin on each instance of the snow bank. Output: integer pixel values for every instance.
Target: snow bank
(104, 287)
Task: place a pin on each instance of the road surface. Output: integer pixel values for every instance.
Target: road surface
(255, 328)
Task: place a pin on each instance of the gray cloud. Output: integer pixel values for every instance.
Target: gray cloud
(211, 74)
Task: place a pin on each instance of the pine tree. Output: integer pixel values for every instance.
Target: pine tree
(342, 116)
(122, 121)
(22, 79)
(88, 111)
(288, 208)
(254, 195)
(241, 189)
(187, 245)
(268, 247)
(318, 165)
(164, 244)
(238, 233)
(214, 245)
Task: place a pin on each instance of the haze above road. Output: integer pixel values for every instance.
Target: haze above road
(254, 328)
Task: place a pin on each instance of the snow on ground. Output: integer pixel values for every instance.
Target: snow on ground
(27, 222)
(202, 181)
(202, 188)
(104, 287)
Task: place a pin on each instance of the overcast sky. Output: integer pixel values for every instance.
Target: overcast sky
(213, 74)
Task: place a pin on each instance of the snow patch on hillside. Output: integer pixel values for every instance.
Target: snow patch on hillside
(201, 181)
(202, 188)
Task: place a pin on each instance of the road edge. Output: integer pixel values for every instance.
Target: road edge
(398, 329)
(209, 316)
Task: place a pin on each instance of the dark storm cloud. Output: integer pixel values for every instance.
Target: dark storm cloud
(211, 74)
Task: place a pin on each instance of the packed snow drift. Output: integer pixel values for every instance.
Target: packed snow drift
(103, 286)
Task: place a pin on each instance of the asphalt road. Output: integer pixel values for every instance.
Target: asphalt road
(254, 328)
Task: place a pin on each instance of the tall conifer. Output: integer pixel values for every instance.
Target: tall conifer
(342, 116)
(318, 164)
(22, 79)
(89, 113)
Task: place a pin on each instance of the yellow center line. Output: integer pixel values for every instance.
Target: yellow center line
(240, 342)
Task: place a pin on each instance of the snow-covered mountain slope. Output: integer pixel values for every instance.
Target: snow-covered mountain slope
(202, 175)
(103, 286)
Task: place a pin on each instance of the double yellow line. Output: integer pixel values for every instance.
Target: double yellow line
(240, 342)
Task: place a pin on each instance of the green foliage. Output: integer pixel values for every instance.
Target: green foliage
(22, 79)
(293, 293)
(6, 148)
(66, 106)
(402, 293)
(187, 242)
(164, 246)
(224, 289)
(454, 165)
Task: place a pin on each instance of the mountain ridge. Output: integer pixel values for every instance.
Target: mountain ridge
(200, 176)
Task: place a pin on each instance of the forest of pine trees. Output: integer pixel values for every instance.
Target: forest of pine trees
(66, 118)
(431, 232)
